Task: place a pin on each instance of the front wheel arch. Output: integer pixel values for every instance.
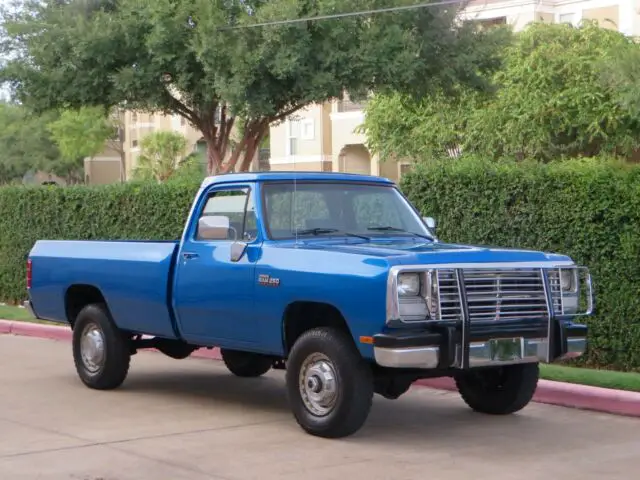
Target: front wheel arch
(302, 316)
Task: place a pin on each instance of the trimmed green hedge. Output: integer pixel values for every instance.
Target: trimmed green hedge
(589, 210)
(129, 211)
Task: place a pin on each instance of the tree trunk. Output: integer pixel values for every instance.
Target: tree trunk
(214, 160)
(123, 167)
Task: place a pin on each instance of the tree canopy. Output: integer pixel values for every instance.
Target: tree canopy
(86, 132)
(211, 61)
(551, 99)
(26, 146)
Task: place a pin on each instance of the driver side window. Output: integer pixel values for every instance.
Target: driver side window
(238, 207)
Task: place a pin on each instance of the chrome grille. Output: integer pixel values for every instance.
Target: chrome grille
(449, 295)
(493, 295)
(556, 292)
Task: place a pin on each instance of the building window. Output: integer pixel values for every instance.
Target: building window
(405, 168)
(134, 117)
(307, 129)
(183, 121)
(566, 18)
(293, 132)
(490, 22)
(134, 143)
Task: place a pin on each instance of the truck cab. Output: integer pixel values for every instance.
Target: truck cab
(335, 278)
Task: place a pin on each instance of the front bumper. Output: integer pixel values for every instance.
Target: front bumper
(445, 349)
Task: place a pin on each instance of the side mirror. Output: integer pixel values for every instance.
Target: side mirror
(430, 222)
(213, 228)
(237, 250)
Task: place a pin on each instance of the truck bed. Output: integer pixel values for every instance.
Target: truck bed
(133, 276)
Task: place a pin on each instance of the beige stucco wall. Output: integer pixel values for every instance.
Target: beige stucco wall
(607, 17)
(389, 169)
(101, 171)
(354, 159)
(315, 118)
(302, 167)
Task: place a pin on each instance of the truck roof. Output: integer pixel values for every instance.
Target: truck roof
(291, 176)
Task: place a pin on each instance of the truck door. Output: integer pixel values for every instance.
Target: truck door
(213, 295)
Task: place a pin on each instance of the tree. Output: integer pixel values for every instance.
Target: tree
(212, 63)
(549, 101)
(621, 75)
(160, 154)
(25, 145)
(86, 132)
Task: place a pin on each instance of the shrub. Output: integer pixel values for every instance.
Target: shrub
(588, 209)
(122, 211)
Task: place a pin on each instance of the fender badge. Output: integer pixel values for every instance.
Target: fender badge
(267, 281)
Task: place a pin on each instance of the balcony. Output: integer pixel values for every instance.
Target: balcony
(346, 105)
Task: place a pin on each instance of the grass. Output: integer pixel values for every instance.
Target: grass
(14, 313)
(18, 314)
(588, 376)
(583, 376)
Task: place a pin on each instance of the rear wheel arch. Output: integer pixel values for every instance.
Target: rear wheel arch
(302, 316)
(79, 296)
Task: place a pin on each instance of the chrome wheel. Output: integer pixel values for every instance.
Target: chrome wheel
(318, 384)
(92, 348)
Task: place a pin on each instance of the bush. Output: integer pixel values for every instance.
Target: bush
(588, 209)
(123, 211)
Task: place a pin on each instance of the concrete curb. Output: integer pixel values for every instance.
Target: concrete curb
(583, 397)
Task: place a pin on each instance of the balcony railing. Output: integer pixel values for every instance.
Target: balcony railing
(349, 106)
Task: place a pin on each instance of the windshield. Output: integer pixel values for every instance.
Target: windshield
(324, 208)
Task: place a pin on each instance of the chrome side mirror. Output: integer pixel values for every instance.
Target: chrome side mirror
(430, 222)
(213, 228)
(237, 250)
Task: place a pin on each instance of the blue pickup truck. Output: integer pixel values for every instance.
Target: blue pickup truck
(335, 278)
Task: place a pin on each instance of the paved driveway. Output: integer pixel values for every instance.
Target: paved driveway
(190, 419)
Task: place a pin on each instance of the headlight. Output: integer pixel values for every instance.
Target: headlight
(409, 284)
(569, 280)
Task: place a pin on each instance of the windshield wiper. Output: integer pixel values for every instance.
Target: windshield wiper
(395, 229)
(320, 231)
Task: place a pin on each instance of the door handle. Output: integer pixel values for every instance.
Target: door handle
(189, 255)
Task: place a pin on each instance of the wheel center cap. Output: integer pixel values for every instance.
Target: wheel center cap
(314, 384)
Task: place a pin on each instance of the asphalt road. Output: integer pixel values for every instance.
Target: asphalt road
(191, 419)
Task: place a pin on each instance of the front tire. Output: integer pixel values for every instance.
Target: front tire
(329, 384)
(245, 364)
(101, 352)
(499, 390)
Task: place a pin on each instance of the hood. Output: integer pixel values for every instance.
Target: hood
(410, 252)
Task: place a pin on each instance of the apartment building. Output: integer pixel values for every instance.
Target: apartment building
(106, 167)
(324, 138)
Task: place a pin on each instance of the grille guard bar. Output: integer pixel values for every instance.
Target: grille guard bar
(585, 285)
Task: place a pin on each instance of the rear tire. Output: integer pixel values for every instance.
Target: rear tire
(499, 390)
(246, 364)
(101, 352)
(329, 384)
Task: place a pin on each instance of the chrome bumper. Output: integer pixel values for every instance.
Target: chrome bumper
(493, 352)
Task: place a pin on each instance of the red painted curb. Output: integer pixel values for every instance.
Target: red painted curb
(554, 393)
(563, 394)
(5, 327)
(51, 332)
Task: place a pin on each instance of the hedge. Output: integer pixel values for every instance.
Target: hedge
(121, 211)
(587, 209)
